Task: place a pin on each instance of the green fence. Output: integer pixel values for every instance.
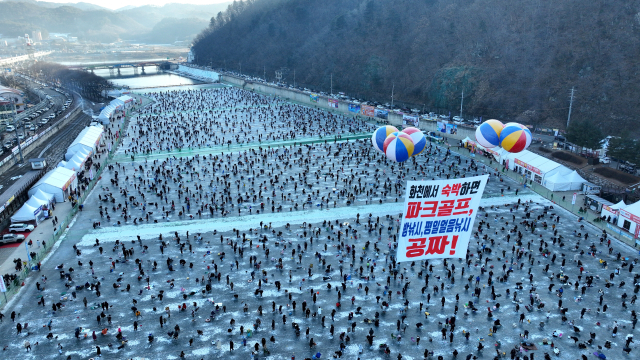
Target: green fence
(190, 151)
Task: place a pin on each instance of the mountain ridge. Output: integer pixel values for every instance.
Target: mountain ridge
(18, 17)
(514, 61)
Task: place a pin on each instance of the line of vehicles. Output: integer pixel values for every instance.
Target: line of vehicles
(13, 229)
(389, 107)
(40, 118)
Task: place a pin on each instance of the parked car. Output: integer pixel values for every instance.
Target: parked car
(9, 238)
(605, 160)
(20, 227)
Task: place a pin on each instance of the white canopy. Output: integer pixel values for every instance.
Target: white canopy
(540, 164)
(77, 161)
(563, 180)
(630, 215)
(618, 206)
(57, 182)
(43, 195)
(87, 140)
(633, 209)
(613, 209)
(26, 213)
(73, 164)
(36, 203)
(106, 113)
(122, 101)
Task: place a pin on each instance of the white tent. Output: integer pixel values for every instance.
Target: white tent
(76, 163)
(122, 101)
(106, 113)
(88, 140)
(563, 179)
(534, 166)
(26, 213)
(58, 182)
(44, 196)
(613, 210)
(36, 203)
(630, 218)
(73, 164)
(620, 205)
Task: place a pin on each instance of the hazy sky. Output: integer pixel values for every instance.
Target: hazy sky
(116, 4)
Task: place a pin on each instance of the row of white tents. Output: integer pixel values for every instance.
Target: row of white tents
(546, 172)
(110, 110)
(57, 184)
(557, 177)
(625, 216)
(35, 208)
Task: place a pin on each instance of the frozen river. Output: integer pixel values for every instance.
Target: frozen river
(283, 280)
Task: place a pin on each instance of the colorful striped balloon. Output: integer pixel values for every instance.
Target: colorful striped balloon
(419, 140)
(488, 133)
(392, 136)
(380, 135)
(515, 137)
(400, 148)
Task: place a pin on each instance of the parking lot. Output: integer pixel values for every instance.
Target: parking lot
(58, 102)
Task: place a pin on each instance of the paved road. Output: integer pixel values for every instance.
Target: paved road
(53, 150)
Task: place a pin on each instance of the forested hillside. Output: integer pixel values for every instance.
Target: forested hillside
(514, 60)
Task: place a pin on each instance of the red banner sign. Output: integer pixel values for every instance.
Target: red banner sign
(528, 167)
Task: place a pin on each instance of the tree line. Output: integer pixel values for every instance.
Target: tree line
(515, 61)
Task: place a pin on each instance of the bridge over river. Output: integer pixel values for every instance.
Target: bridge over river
(115, 66)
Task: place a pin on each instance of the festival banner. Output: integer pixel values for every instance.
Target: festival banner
(452, 129)
(354, 108)
(438, 218)
(528, 167)
(442, 126)
(368, 110)
(333, 103)
(381, 114)
(313, 97)
(410, 120)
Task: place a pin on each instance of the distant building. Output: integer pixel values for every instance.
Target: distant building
(36, 36)
(191, 56)
(6, 109)
(10, 94)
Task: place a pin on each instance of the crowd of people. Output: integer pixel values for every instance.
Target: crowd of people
(226, 116)
(536, 283)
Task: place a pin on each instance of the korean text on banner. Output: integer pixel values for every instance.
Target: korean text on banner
(438, 218)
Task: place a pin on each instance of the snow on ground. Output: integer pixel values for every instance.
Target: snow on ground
(240, 261)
